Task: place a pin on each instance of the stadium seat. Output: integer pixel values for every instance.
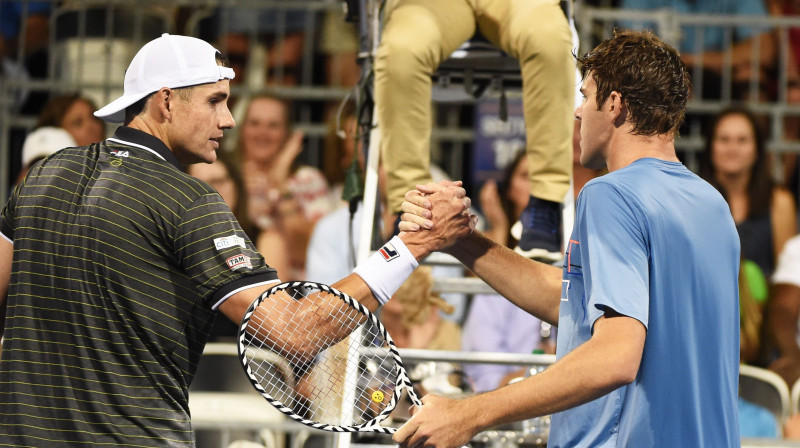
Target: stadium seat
(765, 388)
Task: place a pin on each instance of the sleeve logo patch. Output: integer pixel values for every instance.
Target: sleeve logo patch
(229, 241)
(388, 252)
(238, 262)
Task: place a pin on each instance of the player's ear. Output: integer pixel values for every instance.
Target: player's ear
(161, 103)
(617, 108)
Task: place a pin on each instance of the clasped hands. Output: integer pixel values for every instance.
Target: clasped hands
(442, 207)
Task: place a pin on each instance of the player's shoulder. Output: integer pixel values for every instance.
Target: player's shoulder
(610, 183)
(647, 174)
(148, 171)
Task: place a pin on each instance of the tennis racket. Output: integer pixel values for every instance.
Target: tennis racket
(350, 385)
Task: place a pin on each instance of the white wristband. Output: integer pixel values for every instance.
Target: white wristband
(387, 269)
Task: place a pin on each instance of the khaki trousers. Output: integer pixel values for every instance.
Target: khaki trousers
(419, 34)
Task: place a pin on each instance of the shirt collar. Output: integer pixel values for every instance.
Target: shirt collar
(147, 141)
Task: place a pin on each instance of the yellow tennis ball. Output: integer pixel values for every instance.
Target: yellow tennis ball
(377, 396)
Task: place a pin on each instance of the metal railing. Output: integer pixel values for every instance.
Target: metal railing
(595, 24)
(91, 42)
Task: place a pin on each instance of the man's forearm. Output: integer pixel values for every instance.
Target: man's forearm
(783, 320)
(532, 286)
(606, 362)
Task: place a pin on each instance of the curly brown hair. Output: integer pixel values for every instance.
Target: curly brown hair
(649, 75)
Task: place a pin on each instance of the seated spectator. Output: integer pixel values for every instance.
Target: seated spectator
(225, 177)
(340, 148)
(791, 125)
(23, 57)
(265, 45)
(494, 324)
(41, 143)
(72, 113)
(784, 323)
(413, 320)
(75, 114)
(753, 296)
(502, 209)
(412, 317)
(338, 42)
(735, 162)
(33, 31)
(281, 193)
(34, 25)
(712, 52)
(756, 422)
(784, 313)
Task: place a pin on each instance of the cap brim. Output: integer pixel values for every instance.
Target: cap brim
(114, 112)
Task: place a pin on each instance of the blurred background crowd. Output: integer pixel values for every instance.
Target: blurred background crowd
(282, 169)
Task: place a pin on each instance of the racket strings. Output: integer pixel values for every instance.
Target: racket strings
(364, 371)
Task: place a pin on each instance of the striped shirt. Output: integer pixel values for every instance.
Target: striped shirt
(120, 260)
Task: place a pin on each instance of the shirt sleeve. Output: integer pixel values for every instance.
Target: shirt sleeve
(7, 216)
(216, 253)
(788, 269)
(615, 254)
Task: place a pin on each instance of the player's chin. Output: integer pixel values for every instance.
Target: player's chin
(209, 154)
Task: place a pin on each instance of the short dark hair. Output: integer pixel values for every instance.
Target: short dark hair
(135, 109)
(649, 75)
(184, 93)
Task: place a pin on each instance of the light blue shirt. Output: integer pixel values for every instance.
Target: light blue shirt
(713, 36)
(654, 242)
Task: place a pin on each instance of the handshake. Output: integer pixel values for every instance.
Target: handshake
(443, 209)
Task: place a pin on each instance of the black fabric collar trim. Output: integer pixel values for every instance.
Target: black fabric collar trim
(143, 138)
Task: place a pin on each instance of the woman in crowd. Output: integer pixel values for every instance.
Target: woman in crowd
(735, 162)
(74, 113)
(282, 194)
(413, 318)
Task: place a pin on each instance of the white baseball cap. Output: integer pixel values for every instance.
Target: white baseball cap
(168, 61)
(44, 141)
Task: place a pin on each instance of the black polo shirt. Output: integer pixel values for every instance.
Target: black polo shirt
(120, 259)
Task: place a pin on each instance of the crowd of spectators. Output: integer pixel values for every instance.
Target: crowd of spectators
(290, 204)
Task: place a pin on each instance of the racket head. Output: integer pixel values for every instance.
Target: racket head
(315, 391)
